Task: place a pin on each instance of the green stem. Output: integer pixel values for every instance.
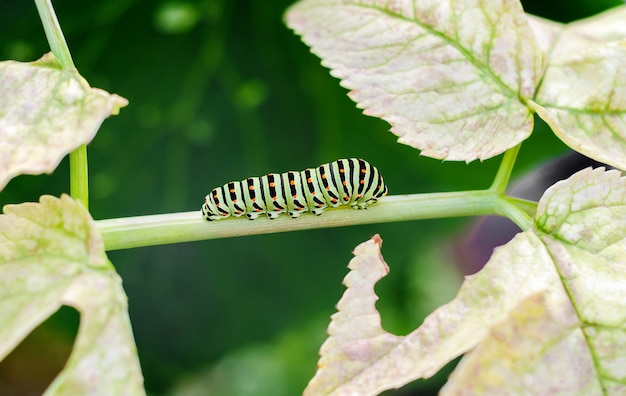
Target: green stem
(78, 158)
(139, 231)
(504, 171)
(54, 34)
(528, 207)
(79, 176)
(517, 215)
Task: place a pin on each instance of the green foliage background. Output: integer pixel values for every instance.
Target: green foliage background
(220, 90)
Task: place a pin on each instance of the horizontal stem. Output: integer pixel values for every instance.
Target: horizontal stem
(151, 230)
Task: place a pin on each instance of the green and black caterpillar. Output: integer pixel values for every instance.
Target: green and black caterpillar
(352, 182)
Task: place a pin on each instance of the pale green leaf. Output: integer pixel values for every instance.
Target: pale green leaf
(518, 357)
(583, 93)
(449, 76)
(356, 336)
(51, 254)
(45, 113)
(552, 300)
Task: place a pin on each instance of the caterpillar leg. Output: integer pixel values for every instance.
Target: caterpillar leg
(253, 215)
(273, 215)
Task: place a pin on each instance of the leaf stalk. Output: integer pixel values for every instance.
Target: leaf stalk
(78, 158)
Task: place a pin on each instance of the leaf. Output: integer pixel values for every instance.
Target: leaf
(45, 113)
(519, 355)
(551, 301)
(449, 76)
(51, 254)
(356, 336)
(583, 93)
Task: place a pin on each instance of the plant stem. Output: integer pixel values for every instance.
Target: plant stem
(529, 207)
(78, 158)
(79, 176)
(504, 171)
(516, 214)
(139, 231)
(54, 34)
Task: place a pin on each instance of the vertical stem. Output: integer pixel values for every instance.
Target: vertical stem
(504, 171)
(79, 188)
(54, 34)
(79, 177)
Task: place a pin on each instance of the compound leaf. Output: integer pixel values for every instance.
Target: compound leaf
(45, 113)
(583, 93)
(51, 254)
(547, 312)
(451, 77)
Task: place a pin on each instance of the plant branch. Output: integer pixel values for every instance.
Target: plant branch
(139, 231)
(78, 158)
(501, 180)
(505, 207)
(79, 177)
(54, 34)
(529, 207)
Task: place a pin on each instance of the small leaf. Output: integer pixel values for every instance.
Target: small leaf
(552, 300)
(51, 254)
(583, 93)
(357, 339)
(449, 76)
(45, 113)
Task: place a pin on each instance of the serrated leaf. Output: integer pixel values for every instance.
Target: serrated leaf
(449, 76)
(583, 93)
(356, 336)
(51, 254)
(45, 113)
(554, 298)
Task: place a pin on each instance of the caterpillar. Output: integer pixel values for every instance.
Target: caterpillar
(352, 182)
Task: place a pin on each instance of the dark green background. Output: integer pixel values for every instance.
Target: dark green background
(227, 93)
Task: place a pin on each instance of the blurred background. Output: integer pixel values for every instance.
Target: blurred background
(220, 90)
